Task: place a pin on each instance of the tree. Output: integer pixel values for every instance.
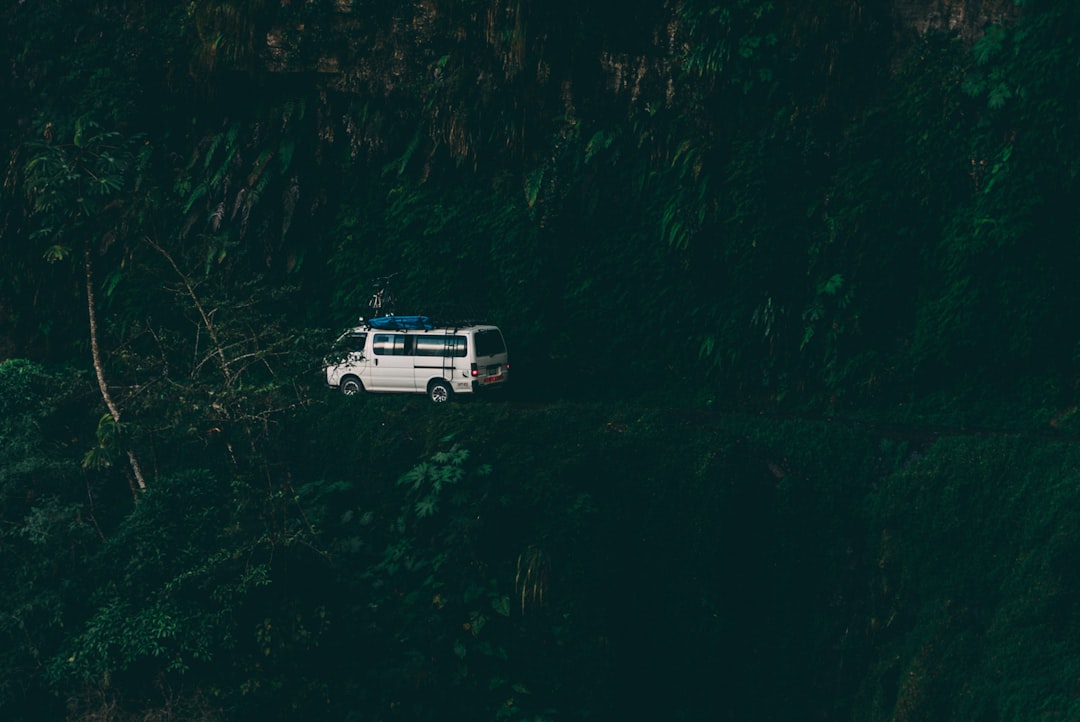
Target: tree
(80, 191)
(49, 525)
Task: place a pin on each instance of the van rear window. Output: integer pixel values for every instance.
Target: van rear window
(489, 343)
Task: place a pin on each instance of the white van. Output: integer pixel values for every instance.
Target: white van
(409, 354)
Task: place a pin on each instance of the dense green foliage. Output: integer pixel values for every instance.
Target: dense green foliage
(816, 206)
(809, 209)
(563, 561)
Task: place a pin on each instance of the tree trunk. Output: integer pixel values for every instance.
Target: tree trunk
(99, 369)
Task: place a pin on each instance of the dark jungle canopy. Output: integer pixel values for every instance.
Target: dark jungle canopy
(789, 289)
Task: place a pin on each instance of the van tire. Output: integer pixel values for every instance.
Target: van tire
(351, 386)
(439, 392)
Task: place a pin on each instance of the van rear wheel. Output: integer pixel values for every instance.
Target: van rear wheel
(439, 392)
(351, 386)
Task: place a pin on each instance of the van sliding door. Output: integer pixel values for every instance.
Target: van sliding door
(436, 355)
(393, 362)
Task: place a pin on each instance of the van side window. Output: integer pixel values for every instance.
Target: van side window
(440, 346)
(430, 345)
(392, 344)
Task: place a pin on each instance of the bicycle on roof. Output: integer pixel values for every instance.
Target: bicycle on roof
(382, 300)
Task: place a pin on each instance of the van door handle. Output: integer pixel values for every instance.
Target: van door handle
(376, 362)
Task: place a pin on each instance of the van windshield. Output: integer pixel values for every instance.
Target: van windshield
(489, 343)
(350, 342)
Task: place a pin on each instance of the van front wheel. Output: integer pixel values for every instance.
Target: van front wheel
(439, 392)
(350, 386)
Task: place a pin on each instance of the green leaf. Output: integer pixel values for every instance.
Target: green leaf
(57, 253)
(285, 154)
(989, 45)
(533, 181)
(415, 476)
(999, 95)
(199, 192)
(833, 285)
(600, 141)
(426, 507)
(112, 280)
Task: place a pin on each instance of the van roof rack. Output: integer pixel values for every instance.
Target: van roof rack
(460, 322)
(456, 314)
(420, 322)
(399, 323)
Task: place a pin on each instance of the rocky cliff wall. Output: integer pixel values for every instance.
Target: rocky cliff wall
(966, 18)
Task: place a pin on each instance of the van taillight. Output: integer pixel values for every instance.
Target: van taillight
(475, 371)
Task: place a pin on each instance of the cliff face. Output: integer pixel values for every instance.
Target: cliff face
(966, 18)
(350, 41)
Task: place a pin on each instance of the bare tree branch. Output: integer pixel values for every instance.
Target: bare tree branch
(99, 369)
